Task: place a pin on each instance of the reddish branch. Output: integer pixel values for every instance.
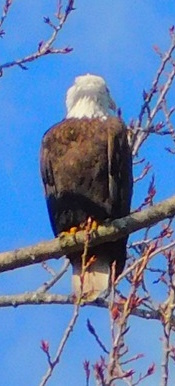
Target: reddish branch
(5, 11)
(53, 363)
(44, 48)
(154, 101)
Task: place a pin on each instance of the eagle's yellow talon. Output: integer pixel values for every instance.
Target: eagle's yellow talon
(73, 230)
(94, 225)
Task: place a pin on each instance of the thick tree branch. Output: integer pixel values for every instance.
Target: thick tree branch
(65, 245)
(39, 298)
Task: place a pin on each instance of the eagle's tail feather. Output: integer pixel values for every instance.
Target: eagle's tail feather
(94, 280)
(97, 276)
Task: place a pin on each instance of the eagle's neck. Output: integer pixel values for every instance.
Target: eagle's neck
(89, 108)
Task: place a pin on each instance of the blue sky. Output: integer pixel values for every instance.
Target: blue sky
(111, 38)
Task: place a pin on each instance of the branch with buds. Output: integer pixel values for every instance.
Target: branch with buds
(154, 101)
(52, 363)
(44, 47)
(5, 12)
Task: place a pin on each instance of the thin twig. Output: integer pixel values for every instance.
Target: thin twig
(140, 137)
(6, 9)
(50, 283)
(92, 331)
(66, 335)
(46, 47)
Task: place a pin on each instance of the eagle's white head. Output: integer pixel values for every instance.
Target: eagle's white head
(89, 97)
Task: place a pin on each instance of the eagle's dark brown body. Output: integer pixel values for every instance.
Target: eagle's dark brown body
(87, 171)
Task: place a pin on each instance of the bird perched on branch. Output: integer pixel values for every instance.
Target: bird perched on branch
(86, 170)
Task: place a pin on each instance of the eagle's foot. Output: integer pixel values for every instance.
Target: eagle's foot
(94, 225)
(73, 230)
(70, 232)
(91, 225)
(88, 225)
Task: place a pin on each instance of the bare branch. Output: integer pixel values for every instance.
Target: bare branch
(41, 298)
(165, 59)
(92, 331)
(144, 172)
(54, 363)
(6, 9)
(160, 91)
(56, 276)
(44, 48)
(156, 251)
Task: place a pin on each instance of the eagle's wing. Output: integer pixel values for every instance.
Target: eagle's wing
(46, 168)
(48, 174)
(120, 178)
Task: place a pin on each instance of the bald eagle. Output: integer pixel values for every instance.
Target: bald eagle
(86, 170)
